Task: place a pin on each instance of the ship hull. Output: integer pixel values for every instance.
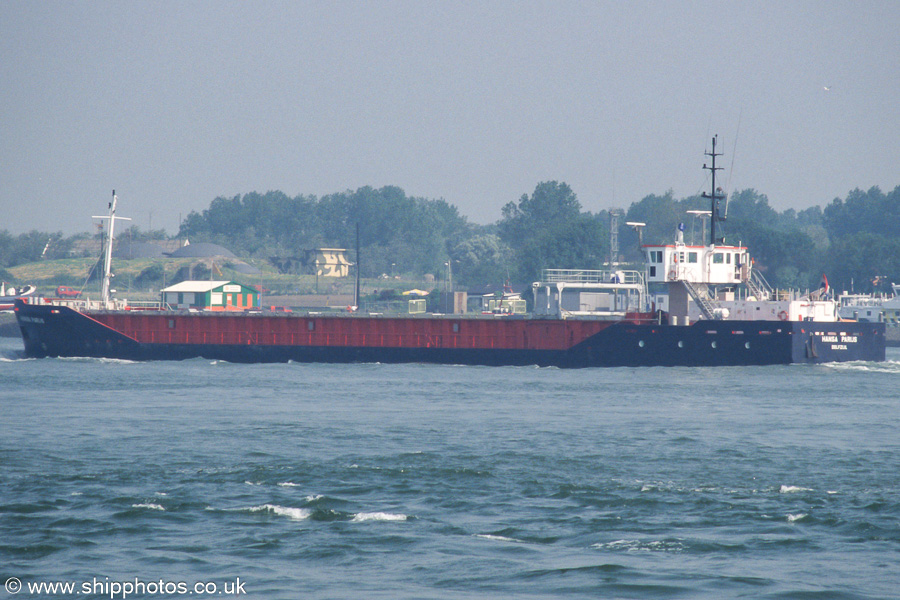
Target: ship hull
(49, 331)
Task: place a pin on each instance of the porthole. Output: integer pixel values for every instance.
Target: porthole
(747, 345)
(641, 343)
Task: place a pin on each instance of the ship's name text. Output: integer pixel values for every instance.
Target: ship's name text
(844, 339)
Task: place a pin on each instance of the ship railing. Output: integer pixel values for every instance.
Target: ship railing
(76, 304)
(591, 276)
(759, 286)
(146, 305)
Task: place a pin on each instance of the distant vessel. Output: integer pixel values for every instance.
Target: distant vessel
(720, 312)
(875, 309)
(9, 294)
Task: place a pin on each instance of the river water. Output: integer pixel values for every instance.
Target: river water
(421, 481)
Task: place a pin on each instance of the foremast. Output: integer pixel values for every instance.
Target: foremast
(107, 254)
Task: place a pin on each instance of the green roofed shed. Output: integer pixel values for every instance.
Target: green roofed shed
(211, 295)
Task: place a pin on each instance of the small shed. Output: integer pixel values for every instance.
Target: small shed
(211, 295)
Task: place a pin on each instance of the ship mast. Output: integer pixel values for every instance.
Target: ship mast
(107, 256)
(714, 197)
(356, 294)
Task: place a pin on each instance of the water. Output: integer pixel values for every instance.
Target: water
(418, 481)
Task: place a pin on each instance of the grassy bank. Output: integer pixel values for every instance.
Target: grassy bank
(129, 282)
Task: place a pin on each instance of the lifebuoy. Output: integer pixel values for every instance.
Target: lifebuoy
(673, 274)
(783, 316)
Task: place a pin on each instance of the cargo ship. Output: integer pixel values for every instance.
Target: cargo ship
(720, 312)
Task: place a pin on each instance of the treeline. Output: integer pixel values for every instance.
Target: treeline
(855, 239)
(416, 235)
(31, 247)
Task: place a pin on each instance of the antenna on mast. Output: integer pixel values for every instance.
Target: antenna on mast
(716, 194)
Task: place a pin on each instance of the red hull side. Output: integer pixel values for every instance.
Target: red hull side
(351, 331)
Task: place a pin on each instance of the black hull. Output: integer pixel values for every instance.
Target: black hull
(58, 331)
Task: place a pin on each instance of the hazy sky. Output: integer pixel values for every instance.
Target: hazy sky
(176, 103)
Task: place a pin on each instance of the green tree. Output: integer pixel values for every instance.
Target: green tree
(547, 230)
(580, 243)
(550, 203)
(871, 212)
(394, 228)
(481, 259)
(26, 247)
(663, 214)
(860, 258)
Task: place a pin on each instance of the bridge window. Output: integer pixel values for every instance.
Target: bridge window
(692, 257)
(718, 259)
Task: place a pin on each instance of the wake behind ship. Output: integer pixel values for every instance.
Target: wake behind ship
(720, 312)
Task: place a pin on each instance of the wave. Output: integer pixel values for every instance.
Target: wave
(497, 538)
(669, 486)
(796, 517)
(640, 546)
(13, 358)
(793, 489)
(888, 366)
(148, 505)
(288, 484)
(295, 514)
(378, 516)
(101, 360)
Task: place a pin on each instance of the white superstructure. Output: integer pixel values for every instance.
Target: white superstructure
(718, 265)
(717, 280)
